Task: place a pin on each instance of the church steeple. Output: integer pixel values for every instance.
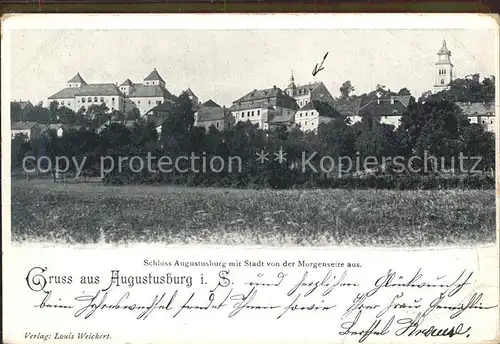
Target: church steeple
(291, 88)
(292, 81)
(444, 54)
(443, 69)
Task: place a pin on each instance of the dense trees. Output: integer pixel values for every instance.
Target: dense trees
(435, 127)
(346, 89)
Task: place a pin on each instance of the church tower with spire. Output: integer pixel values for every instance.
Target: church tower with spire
(443, 69)
(290, 90)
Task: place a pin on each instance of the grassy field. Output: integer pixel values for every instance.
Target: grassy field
(90, 213)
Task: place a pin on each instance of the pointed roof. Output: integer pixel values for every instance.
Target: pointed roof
(444, 50)
(191, 93)
(127, 83)
(154, 75)
(210, 103)
(77, 78)
(292, 81)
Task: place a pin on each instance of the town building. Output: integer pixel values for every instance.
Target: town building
(195, 102)
(443, 69)
(281, 121)
(480, 113)
(58, 128)
(349, 108)
(160, 111)
(260, 106)
(212, 114)
(22, 104)
(315, 112)
(303, 94)
(29, 129)
(388, 110)
(143, 96)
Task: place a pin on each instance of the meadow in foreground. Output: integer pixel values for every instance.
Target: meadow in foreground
(43, 211)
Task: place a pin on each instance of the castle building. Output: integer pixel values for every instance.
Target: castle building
(443, 69)
(128, 95)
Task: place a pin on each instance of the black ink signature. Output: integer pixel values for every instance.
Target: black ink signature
(412, 327)
(373, 329)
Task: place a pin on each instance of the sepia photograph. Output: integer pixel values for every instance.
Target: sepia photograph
(258, 137)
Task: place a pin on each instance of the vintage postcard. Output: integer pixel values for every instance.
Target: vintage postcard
(238, 178)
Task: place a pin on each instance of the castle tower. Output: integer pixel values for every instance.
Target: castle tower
(76, 81)
(154, 78)
(443, 69)
(290, 90)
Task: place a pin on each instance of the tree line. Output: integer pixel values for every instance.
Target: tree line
(433, 125)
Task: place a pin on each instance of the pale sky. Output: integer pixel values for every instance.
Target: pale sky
(223, 65)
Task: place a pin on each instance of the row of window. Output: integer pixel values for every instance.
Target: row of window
(250, 113)
(442, 72)
(300, 91)
(218, 125)
(305, 114)
(484, 121)
(302, 103)
(310, 123)
(89, 99)
(158, 102)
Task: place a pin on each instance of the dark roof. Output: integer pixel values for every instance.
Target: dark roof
(140, 90)
(154, 75)
(403, 99)
(477, 109)
(282, 119)
(189, 92)
(88, 90)
(307, 87)
(324, 109)
(266, 98)
(348, 107)
(384, 107)
(260, 94)
(317, 90)
(165, 107)
(210, 103)
(127, 83)
(68, 92)
(22, 125)
(77, 78)
(206, 113)
(98, 90)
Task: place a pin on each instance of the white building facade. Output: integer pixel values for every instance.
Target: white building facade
(124, 98)
(260, 106)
